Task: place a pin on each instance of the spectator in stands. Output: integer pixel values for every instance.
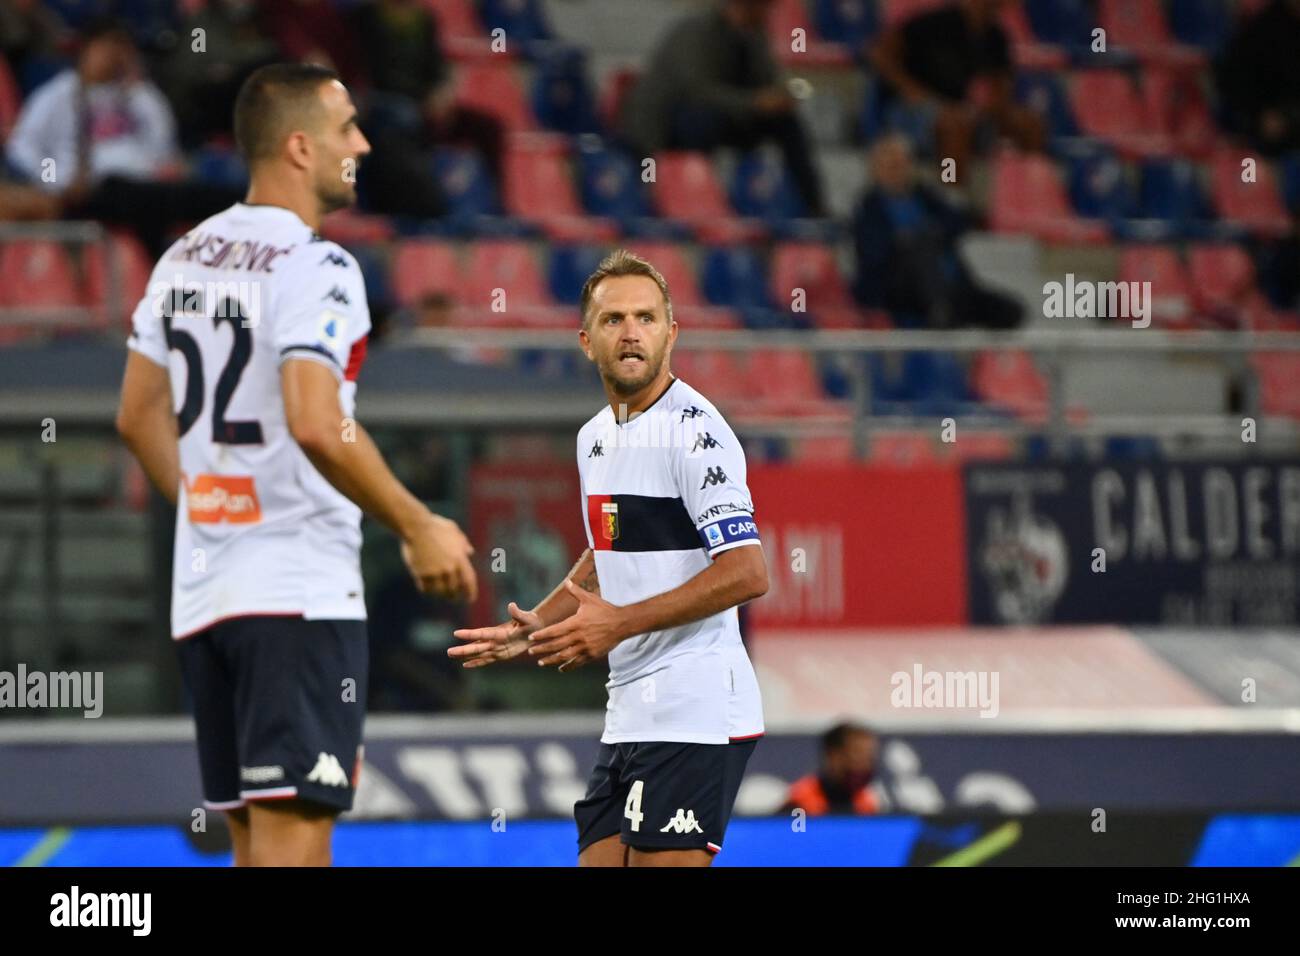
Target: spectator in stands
(712, 82)
(1259, 77)
(411, 82)
(102, 118)
(905, 239)
(202, 82)
(930, 65)
(313, 31)
(99, 141)
(843, 782)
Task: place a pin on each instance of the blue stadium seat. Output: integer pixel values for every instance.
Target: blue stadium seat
(761, 189)
(1201, 23)
(611, 186)
(374, 270)
(851, 22)
(76, 13)
(1044, 93)
(1100, 187)
(1170, 191)
(569, 268)
(523, 21)
(1067, 23)
(1131, 447)
(562, 95)
(465, 183)
(151, 22)
(220, 165)
(736, 277)
(1291, 182)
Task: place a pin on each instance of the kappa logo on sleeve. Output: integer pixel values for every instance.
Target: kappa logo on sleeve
(212, 499)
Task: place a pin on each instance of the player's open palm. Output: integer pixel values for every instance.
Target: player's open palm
(439, 560)
(487, 645)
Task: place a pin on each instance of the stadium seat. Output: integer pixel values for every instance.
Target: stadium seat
(714, 371)
(1201, 23)
(1010, 379)
(1176, 107)
(902, 449)
(562, 95)
(1065, 23)
(1100, 187)
(493, 88)
(689, 306)
(502, 271)
(614, 90)
(981, 446)
(569, 268)
(1107, 106)
(348, 227)
(134, 268)
(1222, 276)
(789, 15)
(896, 11)
(611, 187)
(822, 449)
(220, 164)
(466, 184)
(736, 278)
(1044, 93)
(1027, 197)
(539, 188)
(523, 21)
(459, 31)
(10, 100)
(1170, 190)
(811, 267)
(1028, 51)
(1171, 290)
(1257, 206)
(760, 188)
(1291, 182)
(686, 188)
(1139, 26)
(790, 384)
(1279, 382)
(850, 22)
(38, 274)
(424, 268)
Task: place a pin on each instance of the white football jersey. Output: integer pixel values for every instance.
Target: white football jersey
(662, 495)
(258, 529)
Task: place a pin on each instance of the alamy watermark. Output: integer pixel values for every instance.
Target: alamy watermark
(945, 690)
(1085, 299)
(38, 690)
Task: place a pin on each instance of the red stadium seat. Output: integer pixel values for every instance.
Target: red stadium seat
(38, 275)
(135, 269)
(1030, 53)
(1256, 205)
(896, 11)
(1175, 106)
(673, 266)
(506, 271)
(459, 30)
(10, 100)
(1223, 276)
(1279, 383)
(982, 446)
(423, 268)
(614, 90)
(812, 267)
(1140, 26)
(493, 88)
(823, 449)
(1107, 105)
(539, 188)
(1171, 291)
(348, 227)
(790, 15)
(789, 381)
(715, 372)
(1012, 380)
(1028, 197)
(686, 188)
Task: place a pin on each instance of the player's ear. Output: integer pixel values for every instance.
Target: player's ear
(585, 341)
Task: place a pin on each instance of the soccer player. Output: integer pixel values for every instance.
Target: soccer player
(673, 550)
(255, 327)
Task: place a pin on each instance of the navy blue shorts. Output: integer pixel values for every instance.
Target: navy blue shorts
(274, 713)
(662, 796)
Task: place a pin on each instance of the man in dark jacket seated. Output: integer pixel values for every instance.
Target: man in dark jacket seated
(905, 239)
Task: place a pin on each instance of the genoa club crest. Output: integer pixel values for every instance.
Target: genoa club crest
(609, 520)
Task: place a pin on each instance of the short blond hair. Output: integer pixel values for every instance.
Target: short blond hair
(620, 262)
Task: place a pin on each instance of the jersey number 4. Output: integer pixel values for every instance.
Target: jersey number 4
(223, 432)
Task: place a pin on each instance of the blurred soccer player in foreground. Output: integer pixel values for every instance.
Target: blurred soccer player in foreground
(673, 550)
(255, 327)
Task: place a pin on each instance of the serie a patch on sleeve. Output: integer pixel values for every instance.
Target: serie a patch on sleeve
(729, 531)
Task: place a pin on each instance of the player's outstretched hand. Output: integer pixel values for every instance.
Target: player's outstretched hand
(586, 636)
(487, 645)
(438, 559)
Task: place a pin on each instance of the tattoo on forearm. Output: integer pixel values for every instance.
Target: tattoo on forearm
(590, 582)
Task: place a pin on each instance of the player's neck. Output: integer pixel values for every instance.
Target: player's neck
(305, 206)
(626, 407)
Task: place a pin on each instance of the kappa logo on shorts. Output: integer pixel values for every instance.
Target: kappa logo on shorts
(327, 772)
(683, 822)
